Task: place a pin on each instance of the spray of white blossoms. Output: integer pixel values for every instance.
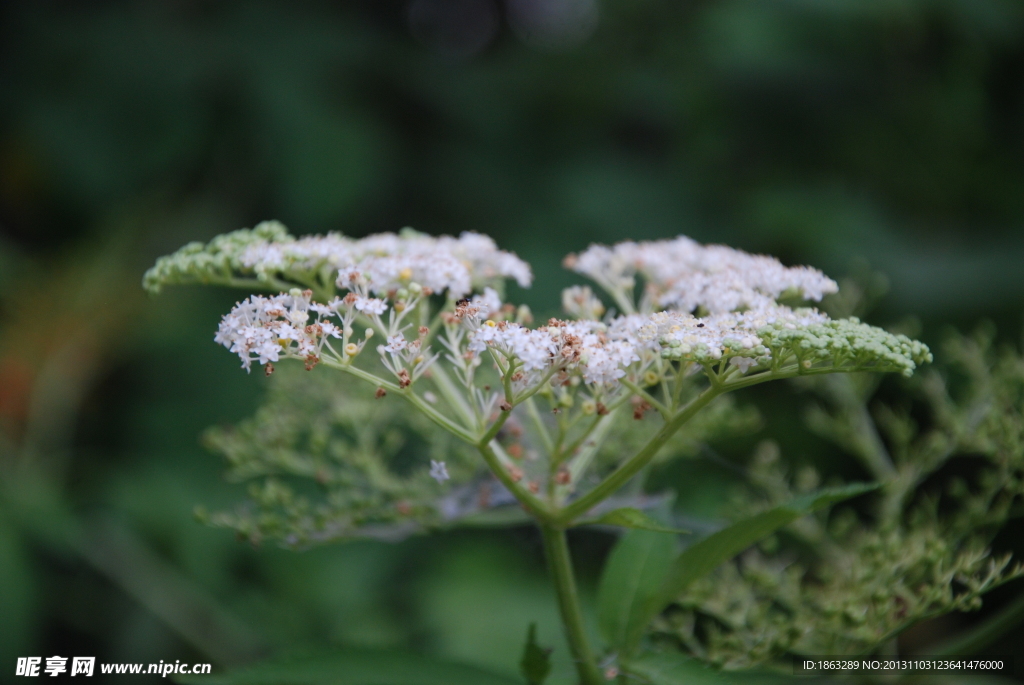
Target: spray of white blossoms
(423, 318)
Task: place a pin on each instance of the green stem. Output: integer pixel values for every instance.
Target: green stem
(495, 428)
(530, 392)
(630, 468)
(570, 449)
(624, 300)
(538, 422)
(530, 502)
(437, 417)
(872, 450)
(347, 367)
(579, 463)
(451, 394)
(665, 412)
(790, 372)
(556, 549)
(431, 413)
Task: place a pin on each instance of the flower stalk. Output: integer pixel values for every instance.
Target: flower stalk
(556, 549)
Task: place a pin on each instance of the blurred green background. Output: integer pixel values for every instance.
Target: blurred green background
(841, 133)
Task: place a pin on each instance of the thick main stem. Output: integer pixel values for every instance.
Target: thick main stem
(556, 549)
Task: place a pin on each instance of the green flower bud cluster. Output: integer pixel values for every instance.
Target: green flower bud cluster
(267, 257)
(845, 344)
(702, 353)
(215, 263)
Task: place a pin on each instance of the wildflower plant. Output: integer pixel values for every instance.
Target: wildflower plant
(510, 412)
(923, 551)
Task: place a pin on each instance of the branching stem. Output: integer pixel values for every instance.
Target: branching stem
(665, 412)
(634, 464)
(530, 502)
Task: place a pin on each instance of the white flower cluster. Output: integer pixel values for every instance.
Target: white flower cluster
(580, 302)
(407, 360)
(732, 334)
(388, 261)
(734, 294)
(760, 337)
(598, 352)
(265, 329)
(684, 275)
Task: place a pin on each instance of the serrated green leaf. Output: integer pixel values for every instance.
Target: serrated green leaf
(356, 667)
(633, 574)
(702, 557)
(678, 669)
(628, 517)
(536, 662)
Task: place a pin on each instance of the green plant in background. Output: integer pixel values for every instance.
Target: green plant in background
(535, 404)
(860, 581)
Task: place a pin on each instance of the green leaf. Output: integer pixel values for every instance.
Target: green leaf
(632, 576)
(702, 557)
(678, 669)
(536, 663)
(356, 667)
(628, 517)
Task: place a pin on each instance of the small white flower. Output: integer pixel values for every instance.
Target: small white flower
(438, 471)
(323, 309)
(371, 305)
(396, 343)
(330, 329)
(487, 304)
(743, 363)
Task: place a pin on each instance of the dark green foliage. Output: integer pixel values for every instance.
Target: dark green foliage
(728, 415)
(628, 517)
(536, 663)
(676, 669)
(328, 461)
(353, 668)
(921, 551)
(642, 577)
